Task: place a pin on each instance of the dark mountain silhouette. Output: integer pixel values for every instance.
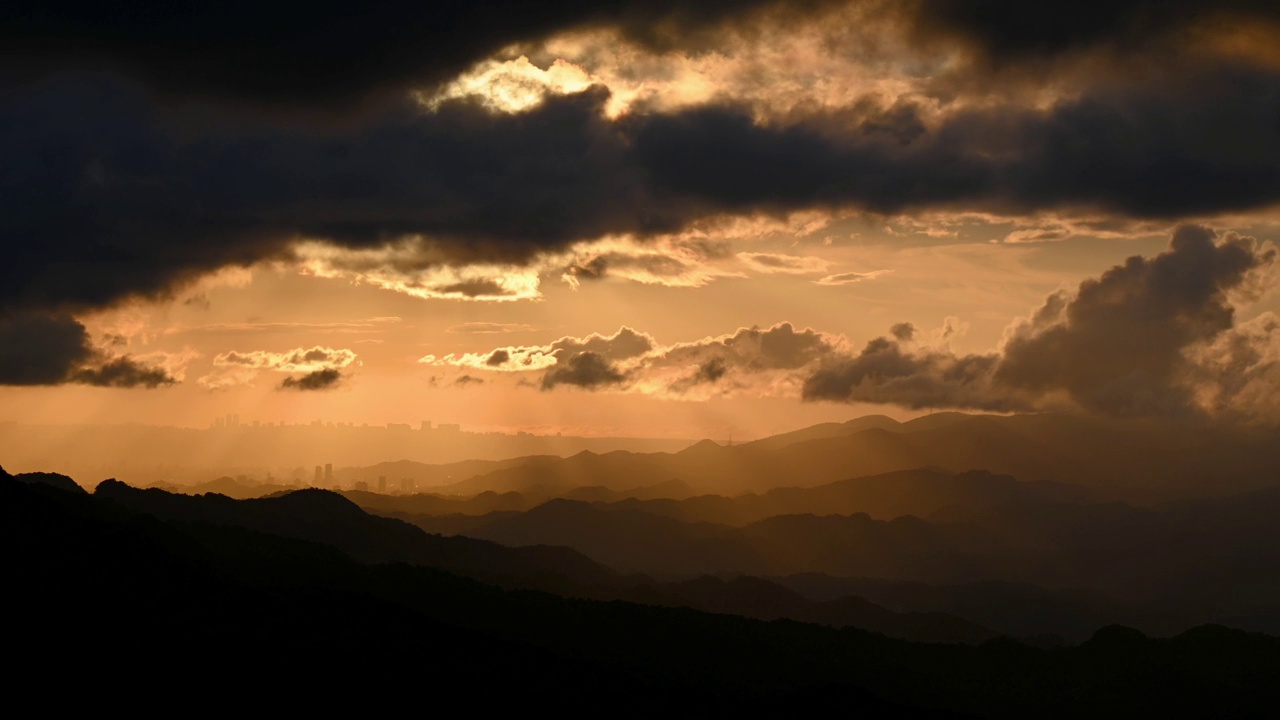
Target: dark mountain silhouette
(823, 431)
(628, 540)
(1209, 560)
(225, 485)
(922, 492)
(617, 470)
(765, 600)
(195, 601)
(330, 519)
(1013, 609)
(61, 482)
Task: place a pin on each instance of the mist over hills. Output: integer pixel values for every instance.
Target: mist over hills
(144, 455)
(1215, 561)
(1023, 538)
(1137, 460)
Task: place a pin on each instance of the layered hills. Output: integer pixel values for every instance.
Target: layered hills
(198, 588)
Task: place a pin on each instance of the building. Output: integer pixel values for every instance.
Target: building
(328, 473)
(382, 484)
(406, 485)
(319, 476)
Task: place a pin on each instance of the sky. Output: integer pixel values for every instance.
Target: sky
(693, 219)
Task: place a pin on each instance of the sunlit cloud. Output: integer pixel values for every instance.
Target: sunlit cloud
(511, 85)
(413, 267)
(1150, 337)
(851, 278)
(677, 261)
(625, 344)
(770, 263)
(318, 366)
(769, 362)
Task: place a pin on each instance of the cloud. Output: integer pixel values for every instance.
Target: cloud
(625, 344)
(768, 263)
(887, 371)
(142, 157)
(671, 261)
(326, 379)
(294, 55)
(1010, 31)
(1118, 346)
(43, 349)
(1240, 371)
(1153, 336)
(416, 267)
(371, 325)
(466, 380)
(850, 278)
(750, 360)
(297, 360)
(122, 372)
(322, 367)
(583, 369)
(486, 328)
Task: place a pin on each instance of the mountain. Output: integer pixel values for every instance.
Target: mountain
(1141, 461)
(230, 615)
(1209, 560)
(766, 600)
(328, 518)
(62, 482)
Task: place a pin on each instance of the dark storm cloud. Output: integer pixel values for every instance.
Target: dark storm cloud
(42, 349)
(1012, 30)
(122, 372)
(103, 198)
(37, 349)
(100, 202)
(497, 357)
(1137, 340)
(325, 379)
(1113, 148)
(588, 370)
(311, 54)
(324, 55)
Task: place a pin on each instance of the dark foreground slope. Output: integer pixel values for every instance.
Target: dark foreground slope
(122, 608)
